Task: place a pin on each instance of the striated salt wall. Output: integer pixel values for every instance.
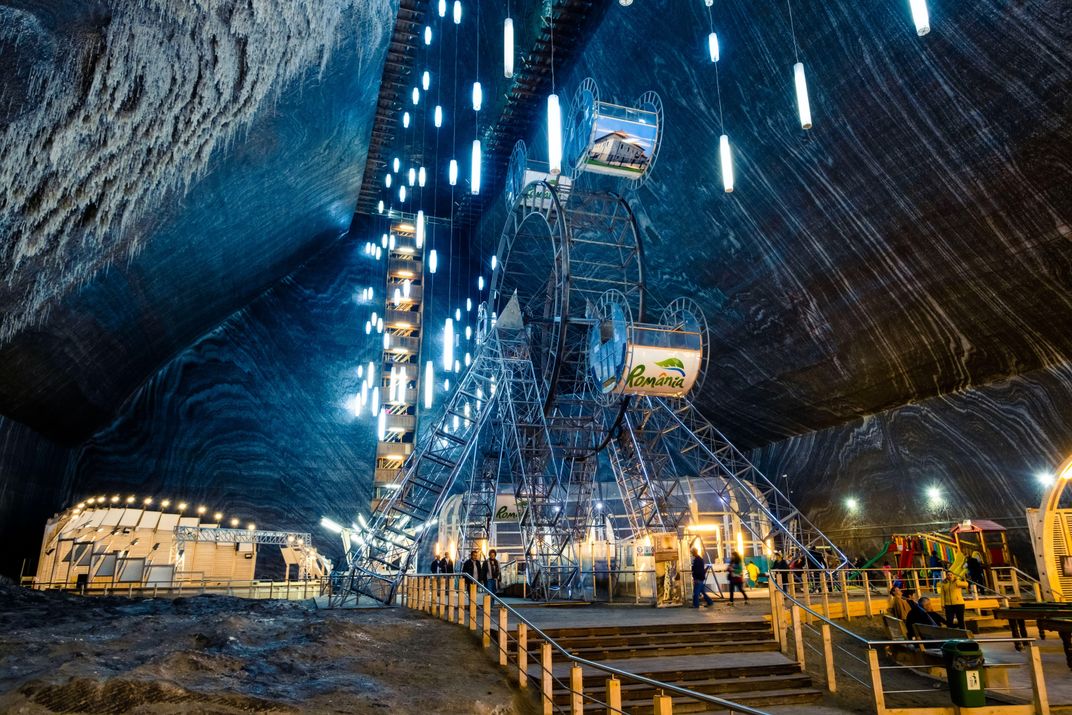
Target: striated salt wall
(128, 107)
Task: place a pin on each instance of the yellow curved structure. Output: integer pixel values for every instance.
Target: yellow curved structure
(1051, 537)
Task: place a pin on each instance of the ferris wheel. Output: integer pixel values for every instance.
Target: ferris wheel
(568, 373)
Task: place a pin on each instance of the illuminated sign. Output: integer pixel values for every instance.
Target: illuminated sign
(659, 371)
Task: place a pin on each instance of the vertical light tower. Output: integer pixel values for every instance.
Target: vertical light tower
(400, 370)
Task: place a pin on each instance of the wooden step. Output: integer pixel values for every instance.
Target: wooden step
(789, 696)
(666, 649)
(580, 642)
(657, 628)
(725, 687)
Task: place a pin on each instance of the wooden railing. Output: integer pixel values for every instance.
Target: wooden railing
(809, 607)
(459, 599)
(256, 589)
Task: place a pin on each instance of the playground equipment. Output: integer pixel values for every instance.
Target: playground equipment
(1050, 527)
(566, 371)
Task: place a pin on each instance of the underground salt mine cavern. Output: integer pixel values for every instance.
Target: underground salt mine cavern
(536, 356)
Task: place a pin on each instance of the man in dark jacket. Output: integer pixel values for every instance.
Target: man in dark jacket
(437, 564)
(492, 572)
(919, 613)
(699, 576)
(475, 567)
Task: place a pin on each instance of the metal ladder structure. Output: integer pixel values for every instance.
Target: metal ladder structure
(498, 392)
(703, 453)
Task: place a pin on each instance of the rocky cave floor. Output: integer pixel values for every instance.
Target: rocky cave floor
(214, 654)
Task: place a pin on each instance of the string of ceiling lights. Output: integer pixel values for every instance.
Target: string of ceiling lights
(920, 18)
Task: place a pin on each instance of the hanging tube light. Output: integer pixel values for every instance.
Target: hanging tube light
(474, 181)
(420, 227)
(554, 134)
(433, 261)
(416, 96)
(387, 180)
(478, 96)
(379, 206)
(920, 16)
(405, 120)
(508, 47)
(381, 425)
(412, 176)
(438, 116)
(457, 12)
(712, 46)
(429, 384)
(427, 37)
(727, 162)
(453, 172)
(422, 177)
(402, 194)
(448, 344)
(803, 105)
(442, 8)
(395, 164)
(426, 80)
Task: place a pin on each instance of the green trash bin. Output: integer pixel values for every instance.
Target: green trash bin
(964, 668)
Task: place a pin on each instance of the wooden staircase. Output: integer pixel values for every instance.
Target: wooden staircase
(735, 659)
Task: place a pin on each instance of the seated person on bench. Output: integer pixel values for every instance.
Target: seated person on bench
(919, 613)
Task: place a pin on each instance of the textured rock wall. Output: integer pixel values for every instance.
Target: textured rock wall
(163, 165)
(983, 448)
(32, 487)
(915, 242)
(253, 419)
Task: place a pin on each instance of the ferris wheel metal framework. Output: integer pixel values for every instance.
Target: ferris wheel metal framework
(527, 413)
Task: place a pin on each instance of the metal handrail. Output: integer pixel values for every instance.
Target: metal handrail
(685, 692)
(981, 590)
(873, 643)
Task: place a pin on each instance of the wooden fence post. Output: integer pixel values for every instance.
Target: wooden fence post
(546, 683)
(828, 656)
(522, 655)
(472, 606)
(798, 635)
(614, 696)
(844, 596)
(867, 595)
(576, 682)
(876, 681)
(1038, 681)
(486, 635)
(826, 594)
(504, 626)
(663, 705)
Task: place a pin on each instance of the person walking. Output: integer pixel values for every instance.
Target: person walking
(699, 577)
(492, 573)
(952, 592)
(737, 575)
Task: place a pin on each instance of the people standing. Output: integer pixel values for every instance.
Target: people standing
(699, 577)
(975, 569)
(782, 567)
(952, 593)
(737, 575)
(935, 565)
(474, 567)
(492, 573)
(437, 564)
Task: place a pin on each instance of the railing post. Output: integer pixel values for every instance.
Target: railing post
(662, 704)
(576, 682)
(828, 656)
(1038, 681)
(459, 601)
(614, 696)
(826, 594)
(798, 635)
(504, 626)
(867, 595)
(844, 595)
(915, 582)
(522, 655)
(776, 621)
(546, 683)
(805, 585)
(441, 590)
(876, 681)
(1037, 590)
(486, 635)
(1015, 583)
(472, 606)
